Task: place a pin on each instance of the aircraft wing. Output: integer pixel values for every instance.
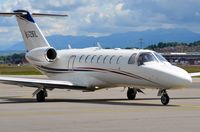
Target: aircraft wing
(194, 74)
(40, 83)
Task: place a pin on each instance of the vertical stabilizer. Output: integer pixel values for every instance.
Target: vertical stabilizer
(30, 31)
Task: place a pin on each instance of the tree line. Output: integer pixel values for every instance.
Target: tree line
(16, 58)
(189, 47)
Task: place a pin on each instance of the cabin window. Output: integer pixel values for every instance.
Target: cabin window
(132, 59)
(81, 58)
(105, 58)
(93, 58)
(98, 59)
(118, 59)
(111, 58)
(87, 58)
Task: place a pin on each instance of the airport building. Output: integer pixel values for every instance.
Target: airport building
(183, 58)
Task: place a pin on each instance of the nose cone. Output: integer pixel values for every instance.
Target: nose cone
(171, 77)
(184, 79)
(179, 78)
(168, 76)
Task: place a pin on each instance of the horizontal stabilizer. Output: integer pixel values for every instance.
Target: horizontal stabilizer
(44, 14)
(33, 14)
(9, 14)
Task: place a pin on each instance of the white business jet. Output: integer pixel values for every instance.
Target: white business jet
(93, 68)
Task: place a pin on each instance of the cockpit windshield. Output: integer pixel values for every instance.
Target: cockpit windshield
(160, 57)
(146, 57)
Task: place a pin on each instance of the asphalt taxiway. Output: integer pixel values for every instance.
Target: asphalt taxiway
(104, 110)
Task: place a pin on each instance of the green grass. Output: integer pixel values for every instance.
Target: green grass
(29, 70)
(191, 69)
(18, 70)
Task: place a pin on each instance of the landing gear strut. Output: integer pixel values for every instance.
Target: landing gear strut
(41, 95)
(164, 97)
(131, 93)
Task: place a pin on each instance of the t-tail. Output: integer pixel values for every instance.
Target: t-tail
(39, 50)
(31, 33)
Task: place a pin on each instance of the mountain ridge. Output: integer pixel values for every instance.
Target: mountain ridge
(119, 40)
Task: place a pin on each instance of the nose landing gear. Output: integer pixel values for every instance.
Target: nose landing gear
(164, 97)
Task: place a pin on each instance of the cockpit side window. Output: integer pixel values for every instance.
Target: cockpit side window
(132, 59)
(146, 57)
(160, 57)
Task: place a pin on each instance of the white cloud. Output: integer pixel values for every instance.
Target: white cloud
(119, 7)
(3, 30)
(102, 17)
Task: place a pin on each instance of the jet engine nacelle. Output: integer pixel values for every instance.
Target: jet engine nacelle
(41, 56)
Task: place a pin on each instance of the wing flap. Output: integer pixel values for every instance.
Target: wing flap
(38, 83)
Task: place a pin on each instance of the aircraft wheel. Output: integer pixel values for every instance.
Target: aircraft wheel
(131, 93)
(165, 99)
(41, 96)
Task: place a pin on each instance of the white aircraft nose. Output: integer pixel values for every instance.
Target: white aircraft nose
(180, 78)
(170, 76)
(184, 79)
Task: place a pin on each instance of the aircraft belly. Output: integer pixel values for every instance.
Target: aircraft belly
(80, 79)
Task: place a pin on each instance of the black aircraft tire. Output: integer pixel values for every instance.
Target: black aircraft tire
(131, 94)
(164, 99)
(41, 96)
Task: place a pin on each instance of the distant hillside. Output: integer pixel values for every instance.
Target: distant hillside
(9, 52)
(121, 40)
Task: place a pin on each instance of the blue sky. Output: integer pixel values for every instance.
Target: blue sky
(102, 17)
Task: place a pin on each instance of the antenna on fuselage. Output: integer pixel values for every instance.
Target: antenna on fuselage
(69, 46)
(99, 45)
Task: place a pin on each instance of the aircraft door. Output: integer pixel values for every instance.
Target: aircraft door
(71, 62)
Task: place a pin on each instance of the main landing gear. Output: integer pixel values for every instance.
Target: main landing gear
(40, 94)
(131, 93)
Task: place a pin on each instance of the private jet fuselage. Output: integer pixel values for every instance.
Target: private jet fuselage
(97, 68)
